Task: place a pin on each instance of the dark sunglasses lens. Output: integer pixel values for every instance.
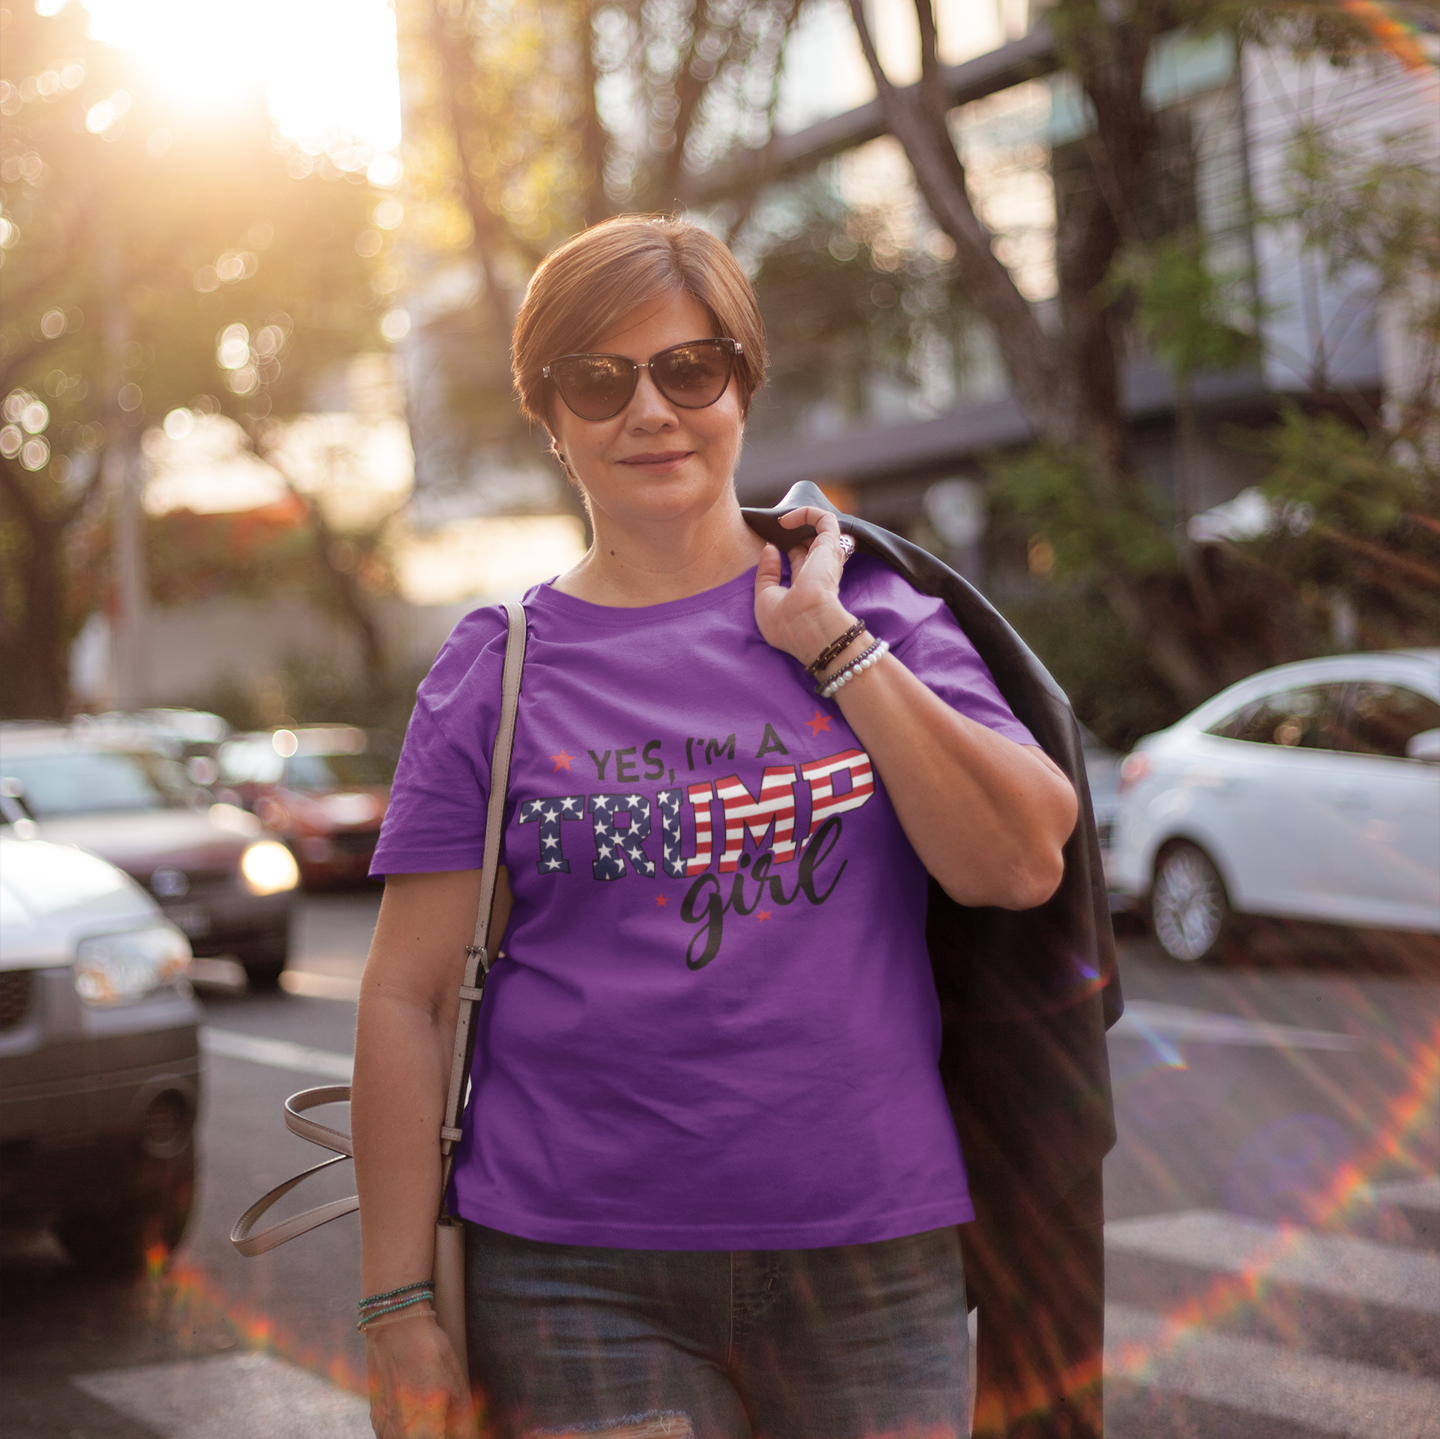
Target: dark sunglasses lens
(692, 376)
(594, 386)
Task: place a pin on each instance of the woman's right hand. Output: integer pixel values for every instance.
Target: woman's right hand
(417, 1389)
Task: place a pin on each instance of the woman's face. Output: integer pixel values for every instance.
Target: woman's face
(654, 461)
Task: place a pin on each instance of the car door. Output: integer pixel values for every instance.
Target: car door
(1386, 848)
(1274, 810)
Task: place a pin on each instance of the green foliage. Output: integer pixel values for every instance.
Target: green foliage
(1354, 209)
(1359, 532)
(1347, 479)
(152, 260)
(1091, 525)
(1113, 688)
(842, 308)
(1193, 318)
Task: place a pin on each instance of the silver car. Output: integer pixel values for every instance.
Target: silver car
(99, 1058)
(1310, 791)
(219, 875)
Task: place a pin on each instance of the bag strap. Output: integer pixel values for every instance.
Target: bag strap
(477, 966)
(477, 956)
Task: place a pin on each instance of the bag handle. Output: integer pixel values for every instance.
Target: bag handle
(477, 966)
(477, 955)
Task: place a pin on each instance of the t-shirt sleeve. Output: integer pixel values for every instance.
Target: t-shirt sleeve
(436, 818)
(928, 640)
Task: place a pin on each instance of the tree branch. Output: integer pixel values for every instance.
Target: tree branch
(923, 131)
(485, 234)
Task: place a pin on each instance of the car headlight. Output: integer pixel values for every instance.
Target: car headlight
(121, 968)
(268, 868)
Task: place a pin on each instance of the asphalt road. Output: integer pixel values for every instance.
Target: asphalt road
(1273, 1245)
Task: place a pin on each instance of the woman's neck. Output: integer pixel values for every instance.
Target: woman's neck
(653, 564)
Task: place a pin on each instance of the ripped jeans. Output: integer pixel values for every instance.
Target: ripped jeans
(857, 1342)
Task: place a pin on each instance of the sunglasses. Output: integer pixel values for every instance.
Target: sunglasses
(597, 387)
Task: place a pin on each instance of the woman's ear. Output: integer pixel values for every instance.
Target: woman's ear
(564, 463)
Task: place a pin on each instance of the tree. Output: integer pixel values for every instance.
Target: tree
(152, 261)
(1083, 472)
(526, 122)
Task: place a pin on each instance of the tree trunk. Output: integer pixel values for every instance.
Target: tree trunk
(34, 654)
(1068, 386)
(485, 233)
(592, 132)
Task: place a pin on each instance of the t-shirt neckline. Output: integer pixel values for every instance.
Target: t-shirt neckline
(546, 597)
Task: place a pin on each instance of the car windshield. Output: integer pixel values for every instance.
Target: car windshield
(337, 771)
(96, 781)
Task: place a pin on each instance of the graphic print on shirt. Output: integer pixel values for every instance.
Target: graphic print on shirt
(759, 830)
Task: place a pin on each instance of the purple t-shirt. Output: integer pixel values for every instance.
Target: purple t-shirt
(714, 1024)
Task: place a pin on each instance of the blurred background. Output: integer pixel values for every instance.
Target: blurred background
(260, 265)
(1127, 309)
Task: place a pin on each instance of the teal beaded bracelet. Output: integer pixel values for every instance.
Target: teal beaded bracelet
(425, 1297)
(395, 1293)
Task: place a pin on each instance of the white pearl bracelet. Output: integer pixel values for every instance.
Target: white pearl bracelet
(858, 665)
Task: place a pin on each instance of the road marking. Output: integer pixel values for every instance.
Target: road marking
(277, 1053)
(240, 1396)
(1410, 1193)
(1332, 1396)
(319, 986)
(1333, 1264)
(1149, 1019)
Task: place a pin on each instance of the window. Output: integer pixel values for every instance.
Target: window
(332, 771)
(1302, 718)
(1384, 718)
(96, 781)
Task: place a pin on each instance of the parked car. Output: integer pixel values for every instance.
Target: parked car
(325, 788)
(217, 873)
(1310, 791)
(1102, 770)
(99, 1058)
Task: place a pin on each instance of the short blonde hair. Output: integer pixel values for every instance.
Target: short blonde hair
(592, 281)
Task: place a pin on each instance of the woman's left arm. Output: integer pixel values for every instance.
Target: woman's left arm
(988, 817)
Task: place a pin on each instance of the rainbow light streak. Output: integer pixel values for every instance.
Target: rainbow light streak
(1410, 1111)
(187, 1297)
(1390, 32)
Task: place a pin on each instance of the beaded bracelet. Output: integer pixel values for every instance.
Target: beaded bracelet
(858, 665)
(836, 647)
(428, 1297)
(369, 1326)
(375, 1299)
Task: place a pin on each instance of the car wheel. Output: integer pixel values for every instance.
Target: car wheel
(1189, 909)
(265, 962)
(143, 1228)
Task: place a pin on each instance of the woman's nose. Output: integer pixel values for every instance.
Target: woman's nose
(648, 407)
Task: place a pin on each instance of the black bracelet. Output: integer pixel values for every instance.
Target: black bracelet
(835, 648)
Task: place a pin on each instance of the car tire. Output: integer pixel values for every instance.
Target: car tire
(143, 1228)
(1189, 909)
(264, 963)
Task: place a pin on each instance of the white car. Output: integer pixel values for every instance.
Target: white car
(1309, 791)
(99, 1060)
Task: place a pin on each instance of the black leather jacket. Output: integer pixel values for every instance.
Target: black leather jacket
(1026, 996)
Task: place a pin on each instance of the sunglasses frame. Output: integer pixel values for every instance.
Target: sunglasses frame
(733, 348)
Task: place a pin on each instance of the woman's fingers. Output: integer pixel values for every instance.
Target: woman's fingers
(824, 547)
(417, 1389)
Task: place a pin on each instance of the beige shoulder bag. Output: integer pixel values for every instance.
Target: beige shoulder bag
(449, 1231)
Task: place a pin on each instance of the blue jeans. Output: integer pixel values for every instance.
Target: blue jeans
(856, 1342)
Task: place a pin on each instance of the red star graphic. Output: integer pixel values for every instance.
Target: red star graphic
(562, 761)
(660, 900)
(765, 914)
(818, 723)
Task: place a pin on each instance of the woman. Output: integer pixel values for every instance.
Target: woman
(709, 1176)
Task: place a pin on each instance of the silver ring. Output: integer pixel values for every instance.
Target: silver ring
(847, 547)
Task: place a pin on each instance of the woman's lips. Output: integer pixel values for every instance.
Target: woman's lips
(657, 459)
